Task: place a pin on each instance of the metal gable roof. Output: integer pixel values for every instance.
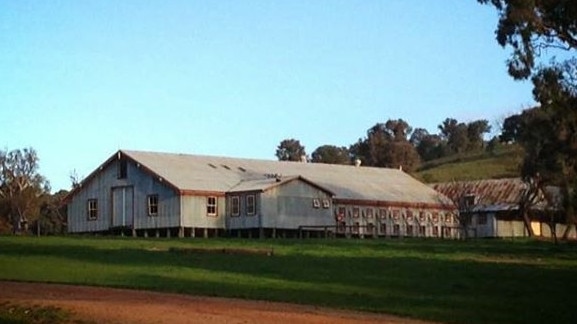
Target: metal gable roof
(221, 174)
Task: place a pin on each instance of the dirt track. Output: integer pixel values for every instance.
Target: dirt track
(106, 305)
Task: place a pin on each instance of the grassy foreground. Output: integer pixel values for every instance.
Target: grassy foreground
(447, 281)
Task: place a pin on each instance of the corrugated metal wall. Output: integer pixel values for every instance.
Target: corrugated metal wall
(296, 204)
(243, 220)
(195, 214)
(132, 192)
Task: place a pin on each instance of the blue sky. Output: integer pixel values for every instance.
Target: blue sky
(81, 79)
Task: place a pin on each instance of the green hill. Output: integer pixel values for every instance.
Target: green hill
(503, 162)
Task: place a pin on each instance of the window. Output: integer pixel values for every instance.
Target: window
(235, 206)
(371, 228)
(383, 213)
(211, 206)
(422, 216)
(316, 203)
(250, 205)
(435, 217)
(369, 213)
(448, 218)
(92, 209)
(153, 205)
(383, 228)
(422, 230)
(409, 215)
(122, 169)
(446, 231)
(396, 214)
(326, 203)
(482, 219)
(356, 212)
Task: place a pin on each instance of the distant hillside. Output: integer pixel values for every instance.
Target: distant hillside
(504, 162)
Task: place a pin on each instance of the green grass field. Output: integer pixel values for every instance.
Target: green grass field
(491, 281)
(504, 162)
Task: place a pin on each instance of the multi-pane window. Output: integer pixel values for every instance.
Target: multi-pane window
(211, 206)
(92, 209)
(152, 205)
(316, 203)
(356, 212)
(383, 228)
(250, 205)
(369, 213)
(341, 213)
(326, 203)
(383, 213)
(371, 228)
(235, 206)
(422, 230)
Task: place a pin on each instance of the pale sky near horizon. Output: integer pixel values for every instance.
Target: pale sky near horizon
(80, 79)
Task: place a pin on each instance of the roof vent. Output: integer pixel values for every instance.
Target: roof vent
(358, 162)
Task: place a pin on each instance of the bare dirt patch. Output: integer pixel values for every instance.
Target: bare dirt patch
(107, 305)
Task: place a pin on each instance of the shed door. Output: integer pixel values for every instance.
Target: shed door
(122, 206)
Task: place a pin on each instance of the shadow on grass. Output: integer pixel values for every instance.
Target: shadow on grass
(413, 281)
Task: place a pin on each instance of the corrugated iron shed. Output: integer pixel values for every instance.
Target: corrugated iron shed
(490, 194)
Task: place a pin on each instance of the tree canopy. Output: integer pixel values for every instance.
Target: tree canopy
(331, 154)
(290, 150)
(22, 188)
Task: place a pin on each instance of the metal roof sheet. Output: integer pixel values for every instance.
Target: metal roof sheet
(214, 173)
(490, 194)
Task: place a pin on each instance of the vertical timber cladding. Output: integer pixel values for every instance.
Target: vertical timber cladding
(122, 206)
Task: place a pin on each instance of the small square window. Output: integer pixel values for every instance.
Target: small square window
(422, 230)
(153, 205)
(369, 213)
(383, 213)
(326, 203)
(383, 228)
(316, 203)
(250, 205)
(211, 206)
(422, 216)
(371, 228)
(356, 212)
(235, 206)
(92, 209)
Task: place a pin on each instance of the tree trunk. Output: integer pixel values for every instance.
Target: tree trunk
(527, 222)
